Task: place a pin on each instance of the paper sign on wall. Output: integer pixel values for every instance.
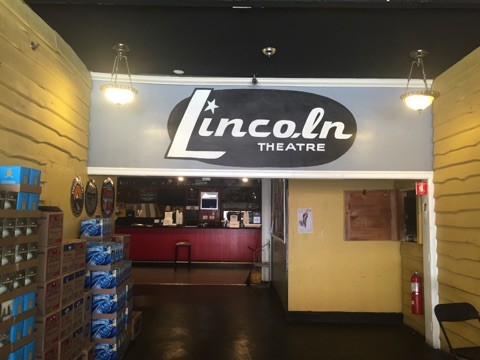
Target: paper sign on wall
(304, 221)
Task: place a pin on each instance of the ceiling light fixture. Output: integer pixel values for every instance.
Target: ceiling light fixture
(419, 100)
(118, 93)
(269, 51)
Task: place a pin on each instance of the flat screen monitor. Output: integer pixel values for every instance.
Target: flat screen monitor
(209, 200)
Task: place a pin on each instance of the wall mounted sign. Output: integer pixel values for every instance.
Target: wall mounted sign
(260, 128)
(421, 188)
(76, 196)
(91, 197)
(108, 197)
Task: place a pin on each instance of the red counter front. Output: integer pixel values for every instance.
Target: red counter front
(208, 244)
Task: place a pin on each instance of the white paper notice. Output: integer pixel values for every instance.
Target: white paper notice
(168, 220)
(305, 224)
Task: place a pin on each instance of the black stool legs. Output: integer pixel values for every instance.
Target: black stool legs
(187, 245)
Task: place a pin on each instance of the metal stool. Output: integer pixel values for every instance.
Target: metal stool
(187, 245)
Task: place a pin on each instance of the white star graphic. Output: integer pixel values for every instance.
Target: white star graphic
(211, 106)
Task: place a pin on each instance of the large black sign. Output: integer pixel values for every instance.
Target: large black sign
(260, 128)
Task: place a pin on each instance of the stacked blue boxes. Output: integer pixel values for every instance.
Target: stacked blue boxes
(18, 266)
(25, 199)
(112, 295)
(99, 228)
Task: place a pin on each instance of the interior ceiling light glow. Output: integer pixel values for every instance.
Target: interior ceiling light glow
(419, 100)
(115, 92)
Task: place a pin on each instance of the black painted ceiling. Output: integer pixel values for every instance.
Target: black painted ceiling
(222, 38)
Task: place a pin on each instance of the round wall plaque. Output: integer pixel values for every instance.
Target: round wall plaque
(91, 197)
(76, 196)
(108, 197)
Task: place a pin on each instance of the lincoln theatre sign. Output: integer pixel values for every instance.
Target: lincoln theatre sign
(260, 128)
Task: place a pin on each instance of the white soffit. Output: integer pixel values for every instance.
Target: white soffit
(184, 80)
(261, 173)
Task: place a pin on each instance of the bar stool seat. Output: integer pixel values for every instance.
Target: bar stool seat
(188, 246)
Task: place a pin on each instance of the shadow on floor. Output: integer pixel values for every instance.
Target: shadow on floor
(248, 323)
(198, 275)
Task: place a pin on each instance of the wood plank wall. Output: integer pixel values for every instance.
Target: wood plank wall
(44, 105)
(457, 188)
(412, 260)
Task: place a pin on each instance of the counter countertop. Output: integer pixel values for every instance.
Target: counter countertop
(149, 226)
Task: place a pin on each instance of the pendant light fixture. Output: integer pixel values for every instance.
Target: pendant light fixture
(419, 100)
(116, 92)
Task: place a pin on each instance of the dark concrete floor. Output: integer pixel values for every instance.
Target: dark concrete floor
(248, 323)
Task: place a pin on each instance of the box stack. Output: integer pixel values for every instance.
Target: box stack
(64, 306)
(18, 267)
(25, 193)
(125, 240)
(50, 229)
(75, 301)
(109, 274)
(96, 229)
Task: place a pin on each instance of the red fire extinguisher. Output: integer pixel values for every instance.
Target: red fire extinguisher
(417, 293)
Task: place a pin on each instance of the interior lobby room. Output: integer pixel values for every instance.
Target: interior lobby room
(267, 183)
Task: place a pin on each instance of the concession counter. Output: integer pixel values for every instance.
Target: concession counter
(221, 218)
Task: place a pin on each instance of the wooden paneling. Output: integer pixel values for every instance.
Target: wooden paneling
(27, 27)
(371, 215)
(457, 189)
(458, 235)
(44, 105)
(458, 251)
(412, 260)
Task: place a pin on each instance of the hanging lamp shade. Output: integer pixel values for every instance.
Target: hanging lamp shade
(419, 100)
(115, 92)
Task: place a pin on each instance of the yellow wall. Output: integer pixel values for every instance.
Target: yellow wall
(457, 188)
(44, 106)
(327, 273)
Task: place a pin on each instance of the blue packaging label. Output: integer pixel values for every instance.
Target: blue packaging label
(28, 326)
(16, 332)
(90, 227)
(106, 352)
(28, 301)
(105, 303)
(106, 328)
(34, 178)
(104, 279)
(33, 200)
(14, 175)
(17, 307)
(29, 350)
(99, 254)
(95, 227)
(22, 201)
(17, 354)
